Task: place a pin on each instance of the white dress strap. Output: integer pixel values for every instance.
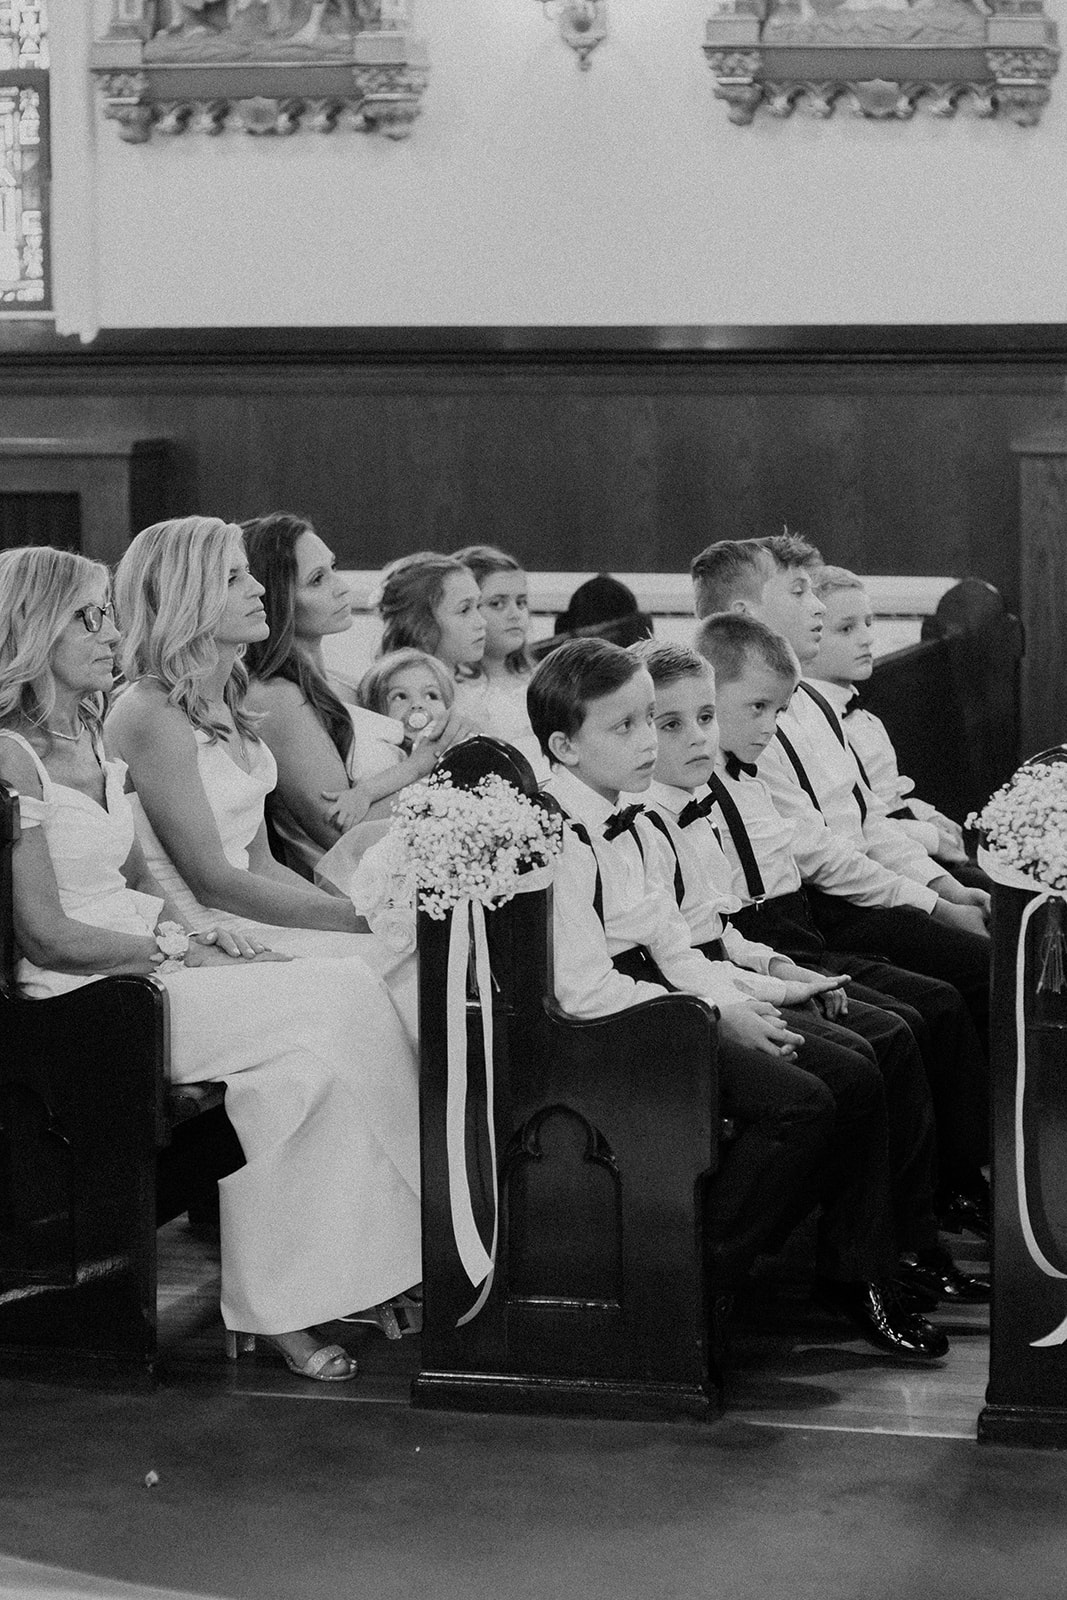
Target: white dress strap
(32, 812)
(42, 770)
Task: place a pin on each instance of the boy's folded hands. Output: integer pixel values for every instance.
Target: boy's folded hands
(759, 1026)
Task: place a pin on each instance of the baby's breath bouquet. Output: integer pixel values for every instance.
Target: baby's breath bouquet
(446, 845)
(1025, 824)
(472, 844)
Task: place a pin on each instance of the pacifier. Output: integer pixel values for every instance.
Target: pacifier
(417, 721)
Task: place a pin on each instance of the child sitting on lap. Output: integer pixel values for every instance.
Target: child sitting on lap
(619, 939)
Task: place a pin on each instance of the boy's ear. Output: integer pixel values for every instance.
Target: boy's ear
(561, 749)
(741, 607)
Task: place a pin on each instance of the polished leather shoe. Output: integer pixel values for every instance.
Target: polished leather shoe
(934, 1273)
(876, 1313)
(965, 1213)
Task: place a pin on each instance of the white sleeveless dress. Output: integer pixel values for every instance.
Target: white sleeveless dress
(321, 1087)
(236, 799)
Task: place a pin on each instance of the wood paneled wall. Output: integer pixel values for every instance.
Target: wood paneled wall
(578, 452)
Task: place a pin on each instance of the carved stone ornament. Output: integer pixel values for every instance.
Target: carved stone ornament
(260, 67)
(883, 59)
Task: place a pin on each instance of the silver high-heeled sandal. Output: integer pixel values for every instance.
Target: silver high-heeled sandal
(239, 1344)
(383, 1317)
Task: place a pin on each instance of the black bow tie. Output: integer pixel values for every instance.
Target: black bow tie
(621, 821)
(857, 703)
(735, 767)
(694, 810)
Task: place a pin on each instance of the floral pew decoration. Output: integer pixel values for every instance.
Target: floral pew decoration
(455, 851)
(1023, 828)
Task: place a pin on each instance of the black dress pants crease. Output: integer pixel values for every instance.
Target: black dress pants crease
(953, 1057)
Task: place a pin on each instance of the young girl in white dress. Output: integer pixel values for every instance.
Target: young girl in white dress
(320, 1081)
(338, 762)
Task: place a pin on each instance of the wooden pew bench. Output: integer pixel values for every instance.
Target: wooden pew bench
(951, 701)
(607, 1132)
(96, 1151)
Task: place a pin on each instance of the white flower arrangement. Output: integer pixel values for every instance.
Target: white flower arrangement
(446, 845)
(1025, 823)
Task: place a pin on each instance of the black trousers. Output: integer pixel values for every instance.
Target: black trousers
(810, 1134)
(885, 1040)
(908, 938)
(912, 1137)
(953, 1058)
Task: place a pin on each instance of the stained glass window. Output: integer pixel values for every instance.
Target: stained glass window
(24, 277)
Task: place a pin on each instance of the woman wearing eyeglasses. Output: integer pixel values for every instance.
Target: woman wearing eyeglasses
(323, 1218)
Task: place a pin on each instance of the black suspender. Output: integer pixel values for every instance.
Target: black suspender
(798, 768)
(839, 734)
(679, 880)
(739, 834)
(582, 832)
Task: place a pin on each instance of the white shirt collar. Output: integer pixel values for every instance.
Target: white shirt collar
(667, 797)
(578, 800)
(838, 694)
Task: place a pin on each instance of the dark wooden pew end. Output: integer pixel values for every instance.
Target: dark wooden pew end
(606, 1135)
(96, 1151)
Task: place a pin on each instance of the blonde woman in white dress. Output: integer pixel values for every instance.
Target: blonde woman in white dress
(320, 1082)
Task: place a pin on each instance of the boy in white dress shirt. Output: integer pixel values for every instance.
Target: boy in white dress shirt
(756, 673)
(680, 803)
(873, 889)
(844, 663)
(619, 939)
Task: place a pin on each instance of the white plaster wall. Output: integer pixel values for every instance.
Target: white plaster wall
(532, 193)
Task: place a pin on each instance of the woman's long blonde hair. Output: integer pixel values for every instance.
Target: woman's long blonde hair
(170, 592)
(40, 590)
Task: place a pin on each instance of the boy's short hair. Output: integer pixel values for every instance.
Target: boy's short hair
(669, 662)
(729, 570)
(730, 640)
(790, 550)
(738, 569)
(563, 684)
(827, 580)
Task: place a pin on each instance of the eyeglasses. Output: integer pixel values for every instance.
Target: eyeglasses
(93, 616)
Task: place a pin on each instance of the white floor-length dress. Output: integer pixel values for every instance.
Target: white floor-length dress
(321, 1087)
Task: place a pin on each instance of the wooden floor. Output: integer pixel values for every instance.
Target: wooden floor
(791, 1365)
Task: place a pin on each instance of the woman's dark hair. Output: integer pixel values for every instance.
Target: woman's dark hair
(271, 544)
(484, 560)
(563, 684)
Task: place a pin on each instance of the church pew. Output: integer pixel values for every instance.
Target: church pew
(606, 1135)
(96, 1151)
(951, 702)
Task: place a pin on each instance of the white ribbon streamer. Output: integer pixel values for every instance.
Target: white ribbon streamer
(1008, 875)
(478, 1263)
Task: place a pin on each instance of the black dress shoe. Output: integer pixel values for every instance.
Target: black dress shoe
(914, 1290)
(875, 1312)
(965, 1213)
(933, 1272)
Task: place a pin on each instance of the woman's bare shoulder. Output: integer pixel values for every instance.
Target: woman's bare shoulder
(143, 712)
(18, 768)
(274, 696)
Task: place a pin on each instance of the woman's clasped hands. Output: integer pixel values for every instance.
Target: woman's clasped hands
(221, 947)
